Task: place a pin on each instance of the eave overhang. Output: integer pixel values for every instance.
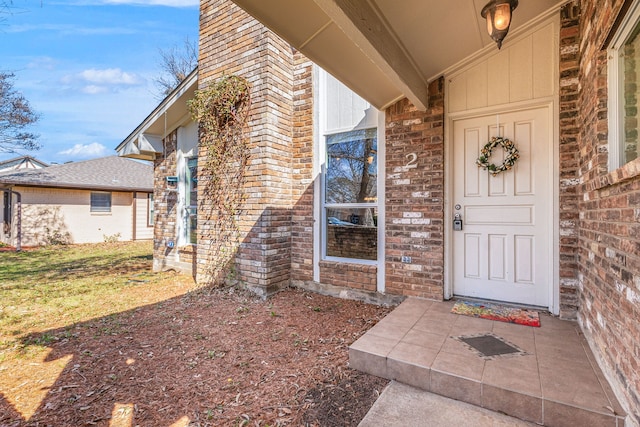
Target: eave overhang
(145, 142)
(386, 50)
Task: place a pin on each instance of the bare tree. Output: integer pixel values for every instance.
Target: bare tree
(16, 116)
(176, 63)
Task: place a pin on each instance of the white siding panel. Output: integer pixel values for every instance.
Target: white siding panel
(345, 109)
(544, 48)
(143, 231)
(458, 93)
(477, 86)
(498, 74)
(523, 70)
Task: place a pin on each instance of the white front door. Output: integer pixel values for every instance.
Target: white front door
(503, 251)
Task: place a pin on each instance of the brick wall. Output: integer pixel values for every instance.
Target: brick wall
(355, 276)
(609, 245)
(415, 198)
(569, 158)
(302, 172)
(232, 42)
(163, 203)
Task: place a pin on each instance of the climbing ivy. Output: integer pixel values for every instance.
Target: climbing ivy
(221, 110)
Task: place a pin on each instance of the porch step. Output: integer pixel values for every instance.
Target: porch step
(554, 381)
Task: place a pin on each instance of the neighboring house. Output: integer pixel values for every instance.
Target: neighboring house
(81, 202)
(365, 197)
(23, 162)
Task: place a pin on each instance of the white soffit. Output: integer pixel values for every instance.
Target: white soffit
(385, 50)
(306, 26)
(150, 143)
(171, 113)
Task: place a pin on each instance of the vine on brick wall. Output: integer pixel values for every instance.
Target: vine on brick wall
(221, 111)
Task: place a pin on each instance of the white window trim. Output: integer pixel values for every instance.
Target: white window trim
(319, 152)
(324, 205)
(150, 212)
(615, 80)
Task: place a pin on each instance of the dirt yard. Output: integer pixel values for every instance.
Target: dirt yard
(204, 358)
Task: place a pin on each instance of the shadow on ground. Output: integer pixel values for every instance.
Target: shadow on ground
(216, 357)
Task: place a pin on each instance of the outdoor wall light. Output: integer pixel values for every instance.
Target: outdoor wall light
(498, 16)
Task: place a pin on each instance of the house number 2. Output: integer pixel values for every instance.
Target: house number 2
(412, 163)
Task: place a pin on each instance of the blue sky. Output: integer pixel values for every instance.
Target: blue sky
(88, 67)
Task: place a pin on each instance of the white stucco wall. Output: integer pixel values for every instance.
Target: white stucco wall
(50, 215)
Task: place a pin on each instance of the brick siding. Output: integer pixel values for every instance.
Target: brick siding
(302, 172)
(232, 42)
(569, 158)
(415, 197)
(609, 246)
(164, 204)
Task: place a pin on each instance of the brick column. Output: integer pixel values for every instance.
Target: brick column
(569, 159)
(415, 197)
(232, 42)
(302, 172)
(164, 204)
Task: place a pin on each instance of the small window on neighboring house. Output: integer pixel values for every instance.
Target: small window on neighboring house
(100, 202)
(624, 90)
(150, 211)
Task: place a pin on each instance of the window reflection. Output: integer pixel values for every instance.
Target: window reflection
(631, 93)
(352, 167)
(352, 233)
(191, 219)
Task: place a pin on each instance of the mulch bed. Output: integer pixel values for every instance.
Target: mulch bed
(208, 358)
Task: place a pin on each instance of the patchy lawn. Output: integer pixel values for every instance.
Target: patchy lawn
(90, 336)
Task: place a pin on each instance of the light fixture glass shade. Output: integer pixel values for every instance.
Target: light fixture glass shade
(502, 17)
(498, 16)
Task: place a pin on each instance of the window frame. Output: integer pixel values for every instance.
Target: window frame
(615, 88)
(189, 206)
(94, 208)
(150, 210)
(324, 206)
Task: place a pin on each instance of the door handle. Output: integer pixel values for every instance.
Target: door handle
(457, 222)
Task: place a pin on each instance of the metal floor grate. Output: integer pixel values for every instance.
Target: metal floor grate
(489, 345)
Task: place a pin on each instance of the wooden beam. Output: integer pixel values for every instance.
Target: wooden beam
(363, 25)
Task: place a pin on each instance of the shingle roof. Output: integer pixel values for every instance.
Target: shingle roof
(18, 162)
(107, 173)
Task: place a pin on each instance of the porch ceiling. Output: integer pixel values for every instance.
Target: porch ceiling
(385, 50)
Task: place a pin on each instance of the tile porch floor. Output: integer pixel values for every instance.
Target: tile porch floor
(556, 383)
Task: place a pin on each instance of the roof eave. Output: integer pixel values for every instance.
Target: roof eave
(128, 147)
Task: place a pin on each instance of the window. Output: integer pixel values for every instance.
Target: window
(191, 199)
(351, 196)
(624, 90)
(150, 211)
(100, 202)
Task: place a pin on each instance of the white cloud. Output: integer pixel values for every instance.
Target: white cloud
(170, 3)
(93, 89)
(42, 63)
(85, 151)
(70, 30)
(109, 76)
(97, 81)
